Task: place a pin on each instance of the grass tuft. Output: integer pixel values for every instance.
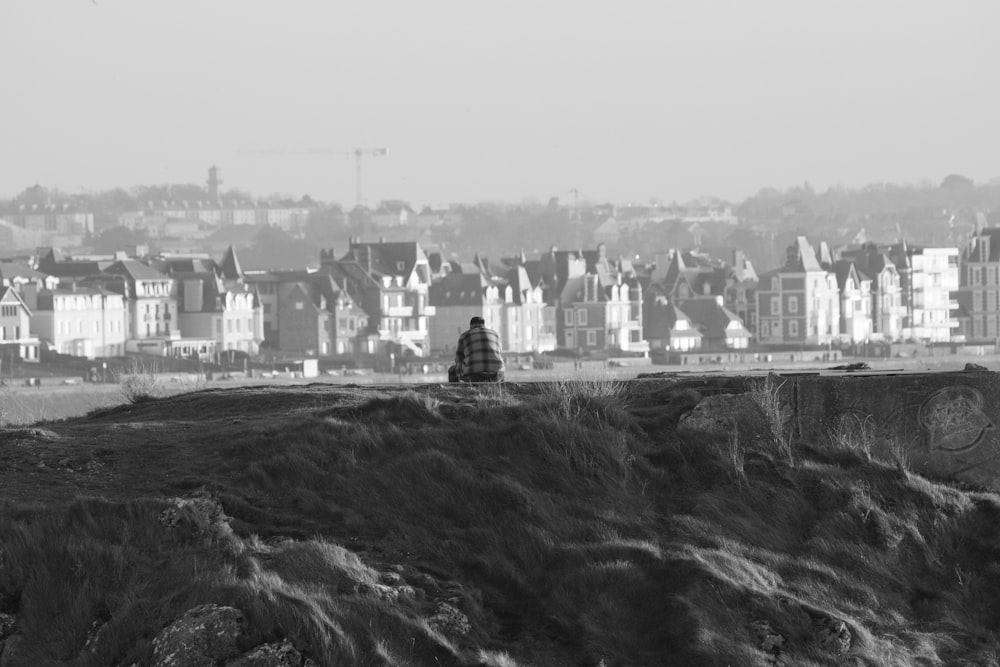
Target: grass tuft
(766, 395)
(138, 381)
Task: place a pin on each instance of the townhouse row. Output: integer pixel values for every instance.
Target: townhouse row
(395, 298)
(377, 297)
(869, 294)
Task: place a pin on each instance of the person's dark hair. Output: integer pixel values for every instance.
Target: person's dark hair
(477, 321)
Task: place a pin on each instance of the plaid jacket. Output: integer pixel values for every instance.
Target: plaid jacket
(478, 352)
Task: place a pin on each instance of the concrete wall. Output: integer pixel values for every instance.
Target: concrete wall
(946, 424)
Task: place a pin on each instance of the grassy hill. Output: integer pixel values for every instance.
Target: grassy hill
(535, 524)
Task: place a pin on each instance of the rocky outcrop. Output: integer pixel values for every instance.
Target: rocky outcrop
(719, 414)
(201, 513)
(277, 654)
(449, 621)
(203, 636)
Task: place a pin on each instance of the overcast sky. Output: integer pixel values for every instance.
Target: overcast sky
(623, 101)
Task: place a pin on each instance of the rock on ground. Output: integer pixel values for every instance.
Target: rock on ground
(203, 636)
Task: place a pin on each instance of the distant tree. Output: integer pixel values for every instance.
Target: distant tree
(117, 238)
(188, 192)
(326, 227)
(957, 182)
(236, 193)
(112, 201)
(276, 249)
(37, 195)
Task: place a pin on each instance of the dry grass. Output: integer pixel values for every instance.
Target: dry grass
(567, 525)
(139, 381)
(776, 413)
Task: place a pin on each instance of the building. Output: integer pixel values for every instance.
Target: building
(392, 213)
(304, 312)
(855, 324)
(150, 304)
(929, 282)
(601, 312)
(524, 315)
(390, 281)
(216, 310)
(798, 303)
(16, 338)
(81, 321)
(720, 328)
(979, 284)
(739, 296)
(886, 293)
(667, 328)
(66, 224)
(457, 298)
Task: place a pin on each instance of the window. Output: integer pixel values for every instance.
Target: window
(591, 338)
(793, 328)
(581, 317)
(568, 317)
(793, 304)
(775, 305)
(299, 305)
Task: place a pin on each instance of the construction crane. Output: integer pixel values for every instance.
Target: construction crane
(358, 153)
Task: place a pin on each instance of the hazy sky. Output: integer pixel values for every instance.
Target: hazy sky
(500, 101)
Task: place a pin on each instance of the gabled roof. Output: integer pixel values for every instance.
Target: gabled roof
(993, 236)
(13, 270)
(135, 270)
(230, 265)
(458, 289)
(309, 293)
(9, 295)
(844, 269)
(712, 319)
(386, 258)
(573, 290)
(519, 283)
(802, 257)
(184, 265)
(661, 322)
(54, 263)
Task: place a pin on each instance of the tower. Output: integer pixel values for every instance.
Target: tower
(213, 183)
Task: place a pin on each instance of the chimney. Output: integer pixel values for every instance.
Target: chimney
(791, 256)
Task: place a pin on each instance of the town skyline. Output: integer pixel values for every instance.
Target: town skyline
(490, 104)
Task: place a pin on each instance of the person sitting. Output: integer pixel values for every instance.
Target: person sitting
(477, 357)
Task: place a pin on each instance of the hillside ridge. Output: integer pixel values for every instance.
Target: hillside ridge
(560, 523)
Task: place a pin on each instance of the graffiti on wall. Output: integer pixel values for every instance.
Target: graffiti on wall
(949, 429)
(954, 420)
